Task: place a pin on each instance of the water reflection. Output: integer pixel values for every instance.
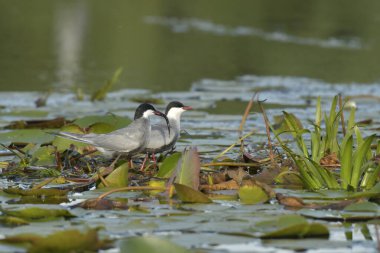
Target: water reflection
(186, 25)
(70, 29)
(168, 45)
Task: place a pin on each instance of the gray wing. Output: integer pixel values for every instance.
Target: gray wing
(131, 138)
(160, 139)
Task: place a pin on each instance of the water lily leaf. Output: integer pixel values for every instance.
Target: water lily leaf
(26, 113)
(339, 215)
(189, 195)
(61, 241)
(62, 143)
(169, 165)
(44, 156)
(290, 226)
(141, 224)
(36, 213)
(39, 124)
(39, 200)
(151, 245)
(101, 128)
(252, 194)
(44, 192)
(188, 173)
(117, 178)
(25, 136)
(9, 221)
(362, 207)
(114, 120)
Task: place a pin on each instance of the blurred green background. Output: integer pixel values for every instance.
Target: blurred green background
(166, 45)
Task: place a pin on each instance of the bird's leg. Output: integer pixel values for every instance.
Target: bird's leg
(114, 162)
(154, 160)
(144, 161)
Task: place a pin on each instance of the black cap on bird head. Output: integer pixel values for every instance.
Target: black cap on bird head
(176, 104)
(141, 109)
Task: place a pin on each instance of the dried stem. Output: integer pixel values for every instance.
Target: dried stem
(244, 119)
(267, 128)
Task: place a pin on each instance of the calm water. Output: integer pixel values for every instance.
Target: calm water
(165, 45)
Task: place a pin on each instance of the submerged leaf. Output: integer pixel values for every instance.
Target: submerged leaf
(151, 245)
(36, 213)
(189, 195)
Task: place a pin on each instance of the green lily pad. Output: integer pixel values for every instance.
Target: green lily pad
(290, 226)
(44, 156)
(252, 194)
(44, 192)
(26, 113)
(61, 241)
(63, 143)
(101, 128)
(45, 200)
(118, 177)
(339, 215)
(189, 195)
(362, 207)
(114, 120)
(36, 213)
(25, 136)
(9, 221)
(151, 245)
(169, 165)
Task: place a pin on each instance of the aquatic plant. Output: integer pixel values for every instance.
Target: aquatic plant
(359, 167)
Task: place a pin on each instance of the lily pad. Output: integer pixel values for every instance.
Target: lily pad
(44, 156)
(36, 192)
(290, 226)
(339, 215)
(36, 213)
(101, 128)
(189, 195)
(252, 194)
(363, 207)
(25, 136)
(61, 241)
(9, 221)
(114, 120)
(151, 245)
